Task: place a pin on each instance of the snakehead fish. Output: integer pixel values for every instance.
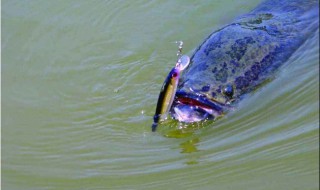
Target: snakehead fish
(239, 57)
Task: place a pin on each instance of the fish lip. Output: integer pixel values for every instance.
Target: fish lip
(201, 100)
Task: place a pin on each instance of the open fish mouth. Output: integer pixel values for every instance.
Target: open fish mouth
(195, 107)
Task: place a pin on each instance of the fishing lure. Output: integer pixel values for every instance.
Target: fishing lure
(169, 88)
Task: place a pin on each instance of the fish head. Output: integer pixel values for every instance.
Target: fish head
(221, 70)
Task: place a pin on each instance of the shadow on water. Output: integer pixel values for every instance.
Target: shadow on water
(188, 136)
(189, 145)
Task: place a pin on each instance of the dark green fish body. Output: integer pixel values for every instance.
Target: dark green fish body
(236, 59)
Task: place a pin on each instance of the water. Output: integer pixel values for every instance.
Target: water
(80, 81)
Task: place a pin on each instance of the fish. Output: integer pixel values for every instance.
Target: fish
(238, 58)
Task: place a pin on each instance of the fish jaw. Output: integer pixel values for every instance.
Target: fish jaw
(191, 108)
(190, 114)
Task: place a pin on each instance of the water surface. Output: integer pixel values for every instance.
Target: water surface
(80, 81)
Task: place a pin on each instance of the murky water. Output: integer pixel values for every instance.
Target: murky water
(80, 81)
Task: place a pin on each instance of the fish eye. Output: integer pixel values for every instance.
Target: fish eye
(228, 91)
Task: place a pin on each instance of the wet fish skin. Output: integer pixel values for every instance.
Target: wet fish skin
(246, 53)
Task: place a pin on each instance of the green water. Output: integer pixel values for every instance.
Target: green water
(80, 81)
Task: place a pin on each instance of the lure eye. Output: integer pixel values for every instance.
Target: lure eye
(174, 74)
(228, 91)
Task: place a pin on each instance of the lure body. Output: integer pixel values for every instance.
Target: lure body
(168, 90)
(166, 96)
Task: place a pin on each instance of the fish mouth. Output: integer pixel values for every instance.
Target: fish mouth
(190, 108)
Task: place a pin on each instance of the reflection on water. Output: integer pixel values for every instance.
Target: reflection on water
(189, 146)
